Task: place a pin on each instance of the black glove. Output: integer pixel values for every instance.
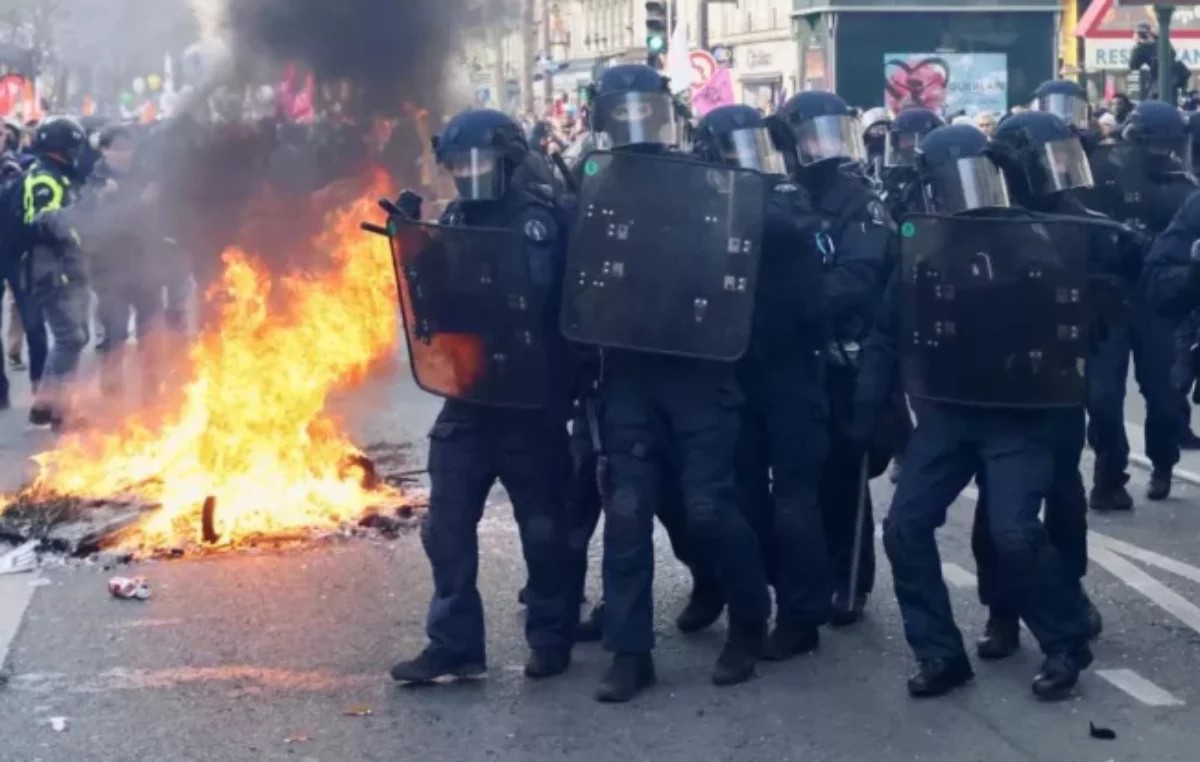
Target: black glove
(409, 204)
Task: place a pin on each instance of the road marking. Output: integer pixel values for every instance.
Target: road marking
(1135, 432)
(958, 576)
(1139, 687)
(1158, 593)
(1148, 557)
(16, 591)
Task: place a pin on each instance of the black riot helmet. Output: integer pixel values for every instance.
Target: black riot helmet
(632, 106)
(908, 129)
(821, 127)
(1160, 133)
(957, 172)
(61, 138)
(1042, 155)
(738, 136)
(1065, 99)
(481, 148)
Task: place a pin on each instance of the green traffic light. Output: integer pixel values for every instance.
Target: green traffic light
(656, 44)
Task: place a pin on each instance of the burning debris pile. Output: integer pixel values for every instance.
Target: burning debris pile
(246, 451)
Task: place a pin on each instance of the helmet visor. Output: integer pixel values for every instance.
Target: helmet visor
(636, 118)
(901, 148)
(829, 137)
(974, 182)
(477, 173)
(1071, 109)
(751, 149)
(1167, 155)
(1066, 166)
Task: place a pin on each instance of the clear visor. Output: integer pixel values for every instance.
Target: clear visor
(1066, 166)
(476, 173)
(901, 149)
(752, 149)
(1069, 108)
(636, 118)
(971, 183)
(829, 137)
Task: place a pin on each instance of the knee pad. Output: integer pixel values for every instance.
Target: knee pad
(625, 520)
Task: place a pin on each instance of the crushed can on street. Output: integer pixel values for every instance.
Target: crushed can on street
(127, 588)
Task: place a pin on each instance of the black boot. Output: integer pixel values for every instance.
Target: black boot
(1095, 622)
(547, 662)
(629, 675)
(41, 414)
(742, 651)
(1001, 637)
(1160, 484)
(432, 664)
(1104, 499)
(845, 611)
(1060, 674)
(790, 640)
(703, 608)
(5, 403)
(591, 629)
(937, 677)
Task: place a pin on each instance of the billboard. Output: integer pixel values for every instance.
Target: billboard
(947, 83)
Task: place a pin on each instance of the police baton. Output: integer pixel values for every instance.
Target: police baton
(860, 522)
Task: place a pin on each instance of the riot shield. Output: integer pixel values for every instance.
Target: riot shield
(472, 314)
(664, 256)
(995, 312)
(1120, 179)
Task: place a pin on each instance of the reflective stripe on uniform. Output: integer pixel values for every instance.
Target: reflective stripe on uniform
(31, 184)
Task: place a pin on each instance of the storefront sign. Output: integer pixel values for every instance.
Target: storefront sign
(1113, 55)
(765, 58)
(948, 83)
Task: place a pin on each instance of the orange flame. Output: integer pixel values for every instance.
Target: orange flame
(249, 427)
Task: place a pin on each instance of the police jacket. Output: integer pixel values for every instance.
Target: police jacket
(855, 240)
(1170, 281)
(47, 192)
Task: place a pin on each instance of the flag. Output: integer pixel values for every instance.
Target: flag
(679, 62)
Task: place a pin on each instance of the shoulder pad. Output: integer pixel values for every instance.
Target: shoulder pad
(541, 191)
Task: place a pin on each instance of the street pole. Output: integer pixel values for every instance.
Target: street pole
(702, 24)
(1165, 60)
(528, 53)
(499, 82)
(547, 76)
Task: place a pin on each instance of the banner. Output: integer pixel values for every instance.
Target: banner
(716, 92)
(946, 83)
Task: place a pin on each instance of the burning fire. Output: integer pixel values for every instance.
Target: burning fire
(249, 428)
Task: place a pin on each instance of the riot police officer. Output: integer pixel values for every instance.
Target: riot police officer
(784, 427)
(1150, 175)
(875, 123)
(905, 133)
(668, 403)
(854, 238)
(53, 266)
(1021, 143)
(507, 390)
(972, 418)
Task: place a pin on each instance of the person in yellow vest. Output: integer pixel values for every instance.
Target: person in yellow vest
(53, 266)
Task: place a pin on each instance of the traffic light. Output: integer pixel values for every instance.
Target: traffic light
(656, 28)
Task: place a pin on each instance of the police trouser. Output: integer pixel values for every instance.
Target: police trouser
(585, 504)
(656, 409)
(114, 304)
(841, 491)
(1065, 516)
(527, 451)
(31, 315)
(782, 447)
(1150, 340)
(1015, 452)
(63, 299)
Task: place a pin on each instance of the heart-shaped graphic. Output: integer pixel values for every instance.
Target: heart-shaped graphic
(916, 82)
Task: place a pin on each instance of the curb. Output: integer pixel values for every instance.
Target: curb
(1177, 474)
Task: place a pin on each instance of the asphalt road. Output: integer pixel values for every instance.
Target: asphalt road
(262, 657)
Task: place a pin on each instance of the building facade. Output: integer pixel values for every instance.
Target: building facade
(755, 39)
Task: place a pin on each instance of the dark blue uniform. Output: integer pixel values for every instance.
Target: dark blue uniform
(1171, 283)
(528, 452)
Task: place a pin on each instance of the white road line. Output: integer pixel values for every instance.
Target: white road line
(1135, 433)
(958, 576)
(16, 591)
(1148, 557)
(1158, 593)
(1139, 687)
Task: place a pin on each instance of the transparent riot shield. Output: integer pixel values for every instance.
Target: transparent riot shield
(664, 256)
(995, 312)
(472, 314)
